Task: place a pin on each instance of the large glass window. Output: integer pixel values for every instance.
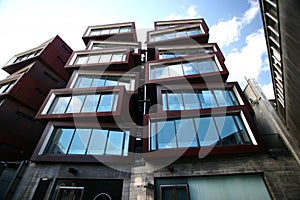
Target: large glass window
(6, 87)
(28, 55)
(87, 81)
(104, 102)
(197, 132)
(100, 58)
(83, 141)
(197, 99)
(112, 30)
(168, 70)
(175, 34)
(174, 53)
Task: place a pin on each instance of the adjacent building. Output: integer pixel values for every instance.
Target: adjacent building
(32, 74)
(155, 123)
(282, 30)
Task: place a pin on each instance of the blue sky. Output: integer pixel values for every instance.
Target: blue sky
(235, 25)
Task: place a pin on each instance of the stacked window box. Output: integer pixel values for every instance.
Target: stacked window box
(91, 119)
(191, 106)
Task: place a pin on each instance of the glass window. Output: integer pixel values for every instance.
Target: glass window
(175, 70)
(175, 101)
(207, 132)
(191, 100)
(117, 57)
(166, 135)
(112, 81)
(207, 99)
(161, 72)
(106, 103)
(93, 59)
(229, 132)
(59, 105)
(193, 31)
(80, 141)
(97, 142)
(207, 65)
(94, 32)
(98, 81)
(125, 29)
(75, 104)
(90, 103)
(174, 192)
(105, 31)
(84, 141)
(190, 68)
(224, 98)
(115, 143)
(3, 88)
(105, 58)
(75, 193)
(181, 33)
(84, 81)
(61, 141)
(114, 31)
(185, 132)
(195, 132)
(81, 59)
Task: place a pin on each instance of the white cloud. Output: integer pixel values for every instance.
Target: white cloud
(191, 12)
(227, 32)
(268, 90)
(248, 62)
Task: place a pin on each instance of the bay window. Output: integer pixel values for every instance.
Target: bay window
(198, 132)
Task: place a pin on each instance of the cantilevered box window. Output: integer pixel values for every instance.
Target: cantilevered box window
(5, 87)
(204, 65)
(83, 103)
(199, 132)
(176, 33)
(88, 81)
(28, 55)
(88, 141)
(198, 99)
(110, 30)
(166, 53)
(100, 57)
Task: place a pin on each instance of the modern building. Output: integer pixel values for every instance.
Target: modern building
(282, 31)
(168, 127)
(32, 74)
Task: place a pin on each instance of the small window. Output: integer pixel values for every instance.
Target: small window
(82, 59)
(74, 193)
(6, 87)
(174, 192)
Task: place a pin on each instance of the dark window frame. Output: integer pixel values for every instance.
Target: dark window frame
(174, 187)
(39, 156)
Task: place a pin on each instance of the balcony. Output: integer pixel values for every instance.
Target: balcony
(111, 32)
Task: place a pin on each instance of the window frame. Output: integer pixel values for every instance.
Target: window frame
(174, 187)
(39, 155)
(242, 111)
(77, 73)
(60, 189)
(199, 77)
(119, 90)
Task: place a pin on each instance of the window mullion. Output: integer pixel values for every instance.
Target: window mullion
(85, 96)
(238, 127)
(214, 95)
(108, 132)
(71, 141)
(123, 143)
(68, 104)
(175, 129)
(88, 144)
(98, 103)
(217, 129)
(196, 131)
(198, 97)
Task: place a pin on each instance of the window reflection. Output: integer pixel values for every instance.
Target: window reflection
(197, 132)
(100, 58)
(82, 141)
(183, 68)
(189, 100)
(106, 102)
